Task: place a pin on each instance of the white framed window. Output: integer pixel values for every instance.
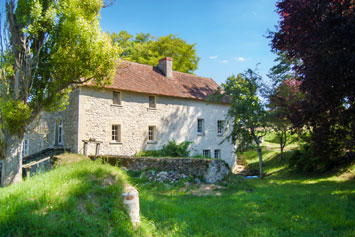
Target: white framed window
(220, 127)
(25, 148)
(200, 126)
(59, 132)
(217, 154)
(116, 133)
(206, 153)
(116, 98)
(152, 133)
(152, 102)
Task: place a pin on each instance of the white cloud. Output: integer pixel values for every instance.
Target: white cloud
(241, 59)
(213, 57)
(224, 61)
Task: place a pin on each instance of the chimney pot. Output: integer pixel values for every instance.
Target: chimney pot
(166, 66)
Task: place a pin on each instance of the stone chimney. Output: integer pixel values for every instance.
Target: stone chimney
(166, 66)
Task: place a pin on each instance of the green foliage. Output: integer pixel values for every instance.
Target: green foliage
(171, 149)
(249, 118)
(56, 45)
(145, 49)
(14, 115)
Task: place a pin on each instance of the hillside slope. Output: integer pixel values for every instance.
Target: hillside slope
(76, 199)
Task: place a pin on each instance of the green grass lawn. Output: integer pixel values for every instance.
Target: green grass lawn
(72, 200)
(75, 199)
(282, 204)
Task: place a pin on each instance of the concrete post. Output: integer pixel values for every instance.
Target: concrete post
(85, 148)
(97, 149)
(131, 201)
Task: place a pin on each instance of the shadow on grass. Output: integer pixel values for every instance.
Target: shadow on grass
(81, 205)
(288, 209)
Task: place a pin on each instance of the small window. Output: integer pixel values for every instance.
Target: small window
(152, 102)
(116, 98)
(25, 148)
(206, 153)
(59, 132)
(151, 133)
(217, 154)
(200, 126)
(116, 133)
(220, 126)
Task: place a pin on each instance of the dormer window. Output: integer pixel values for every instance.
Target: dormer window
(152, 102)
(116, 98)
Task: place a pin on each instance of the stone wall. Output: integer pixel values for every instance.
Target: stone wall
(211, 170)
(41, 133)
(174, 118)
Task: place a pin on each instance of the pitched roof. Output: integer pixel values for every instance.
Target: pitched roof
(143, 78)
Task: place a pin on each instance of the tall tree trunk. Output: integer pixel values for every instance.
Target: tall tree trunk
(282, 152)
(12, 165)
(261, 173)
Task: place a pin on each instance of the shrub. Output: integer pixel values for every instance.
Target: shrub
(172, 149)
(176, 150)
(306, 160)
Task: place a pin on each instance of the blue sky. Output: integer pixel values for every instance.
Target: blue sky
(229, 34)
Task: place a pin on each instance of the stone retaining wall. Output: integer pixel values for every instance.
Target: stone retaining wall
(211, 170)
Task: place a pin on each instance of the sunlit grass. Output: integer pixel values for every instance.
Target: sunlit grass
(71, 200)
(282, 204)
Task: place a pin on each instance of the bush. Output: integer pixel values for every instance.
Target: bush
(305, 160)
(172, 149)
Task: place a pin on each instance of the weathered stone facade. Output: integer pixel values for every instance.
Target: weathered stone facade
(42, 135)
(174, 118)
(91, 114)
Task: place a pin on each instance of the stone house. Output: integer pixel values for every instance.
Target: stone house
(144, 108)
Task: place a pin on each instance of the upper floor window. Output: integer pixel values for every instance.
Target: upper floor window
(152, 102)
(220, 126)
(116, 98)
(152, 133)
(206, 153)
(25, 148)
(116, 133)
(217, 154)
(59, 132)
(200, 125)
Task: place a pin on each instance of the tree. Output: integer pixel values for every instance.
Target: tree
(283, 97)
(321, 34)
(283, 106)
(145, 49)
(247, 114)
(50, 47)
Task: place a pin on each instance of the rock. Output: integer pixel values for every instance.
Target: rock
(216, 171)
(124, 168)
(197, 181)
(163, 173)
(187, 183)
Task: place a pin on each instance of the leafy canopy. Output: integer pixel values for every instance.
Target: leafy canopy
(146, 49)
(321, 34)
(50, 47)
(249, 117)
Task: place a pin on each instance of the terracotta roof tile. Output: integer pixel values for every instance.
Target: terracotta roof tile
(143, 78)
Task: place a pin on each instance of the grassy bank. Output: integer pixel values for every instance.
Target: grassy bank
(77, 199)
(282, 204)
(83, 199)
